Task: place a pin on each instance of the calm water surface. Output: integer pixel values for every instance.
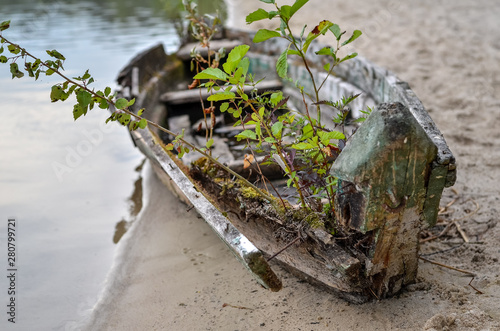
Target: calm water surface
(67, 183)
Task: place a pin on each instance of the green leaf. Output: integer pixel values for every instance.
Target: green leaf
(285, 12)
(134, 125)
(264, 34)
(210, 143)
(14, 70)
(221, 96)
(131, 102)
(212, 73)
(326, 136)
(49, 72)
(143, 123)
(293, 52)
(4, 25)
(276, 129)
(302, 146)
(71, 89)
(111, 118)
(273, 14)
(86, 75)
(14, 49)
(350, 56)
(78, 111)
(56, 93)
(325, 51)
(307, 131)
(56, 54)
(107, 91)
(262, 110)
(224, 106)
(276, 97)
(270, 140)
(335, 29)
(237, 112)
(320, 29)
(247, 134)
(84, 98)
(267, 1)
(257, 15)
(103, 104)
(283, 27)
(244, 65)
(234, 58)
(3, 59)
(1, 49)
(121, 103)
(124, 119)
(282, 65)
(36, 64)
(139, 113)
(354, 36)
(327, 67)
(302, 32)
(296, 6)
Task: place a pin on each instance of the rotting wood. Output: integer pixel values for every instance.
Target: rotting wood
(384, 179)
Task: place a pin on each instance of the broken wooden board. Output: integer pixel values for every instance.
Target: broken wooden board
(383, 176)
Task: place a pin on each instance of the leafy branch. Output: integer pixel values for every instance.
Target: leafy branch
(87, 98)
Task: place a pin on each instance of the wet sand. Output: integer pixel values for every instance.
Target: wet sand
(175, 274)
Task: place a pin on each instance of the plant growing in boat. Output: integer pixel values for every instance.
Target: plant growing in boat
(203, 29)
(301, 145)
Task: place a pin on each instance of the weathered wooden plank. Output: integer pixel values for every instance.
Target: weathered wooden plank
(384, 174)
(184, 53)
(193, 96)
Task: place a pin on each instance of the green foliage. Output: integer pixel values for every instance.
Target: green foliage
(300, 144)
(282, 64)
(264, 34)
(257, 15)
(234, 58)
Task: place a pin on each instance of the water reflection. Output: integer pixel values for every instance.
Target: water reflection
(135, 206)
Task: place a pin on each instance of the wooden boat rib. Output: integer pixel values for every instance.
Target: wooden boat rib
(378, 259)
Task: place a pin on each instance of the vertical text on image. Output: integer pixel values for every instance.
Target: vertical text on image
(11, 270)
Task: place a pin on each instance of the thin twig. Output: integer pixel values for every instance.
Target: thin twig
(447, 266)
(462, 233)
(299, 237)
(237, 307)
(448, 226)
(470, 214)
(444, 250)
(376, 296)
(470, 284)
(459, 228)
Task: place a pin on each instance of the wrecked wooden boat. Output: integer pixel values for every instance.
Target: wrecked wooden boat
(390, 175)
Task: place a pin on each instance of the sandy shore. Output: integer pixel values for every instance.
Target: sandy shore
(175, 274)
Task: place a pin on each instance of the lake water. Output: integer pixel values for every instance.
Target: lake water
(67, 184)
